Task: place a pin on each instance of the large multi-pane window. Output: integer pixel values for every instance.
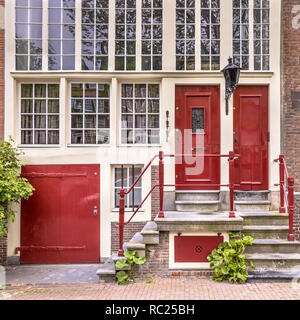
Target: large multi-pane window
(140, 106)
(261, 32)
(210, 34)
(152, 34)
(90, 113)
(185, 34)
(125, 36)
(29, 17)
(241, 33)
(61, 34)
(39, 114)
(94, 35)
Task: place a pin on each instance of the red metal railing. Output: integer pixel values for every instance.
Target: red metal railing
(286, 184)
(231, 157)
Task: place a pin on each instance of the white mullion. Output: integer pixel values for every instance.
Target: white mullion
(45, 36)
(95, 24)
(97, 114)
(111, 35)
(83, 114)
(77, 25)
(28, 38)
(197, 36)
(46, 113)
(251, 35)
(138, 35)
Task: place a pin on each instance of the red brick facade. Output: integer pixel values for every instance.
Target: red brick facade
(3, 242)
(291, 94)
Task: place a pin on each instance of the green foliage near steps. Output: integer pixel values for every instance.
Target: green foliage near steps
(131, 260)
(229, 260)
(13, 188)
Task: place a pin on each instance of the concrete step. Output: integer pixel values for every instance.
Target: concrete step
(150, 233)
(107, 271)
(251, 195)
(274, 275)
(201, 206)
(274, 261)
(266, 231)
(273, 246)
(252, 205)
(197, 195)
(264, 218)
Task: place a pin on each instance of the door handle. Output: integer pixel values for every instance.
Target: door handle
(235, 140)
(95, 211)
(198, 149)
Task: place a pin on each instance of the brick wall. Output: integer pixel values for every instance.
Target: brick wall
(291, 95)
(3, 250)
(3, 242)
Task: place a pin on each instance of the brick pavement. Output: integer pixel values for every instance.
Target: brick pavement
(158, 289)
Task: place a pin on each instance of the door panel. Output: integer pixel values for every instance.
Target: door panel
(60, 223)
(197, 121)
(251, 137)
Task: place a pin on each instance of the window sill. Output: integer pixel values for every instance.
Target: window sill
(128, 210)
(34, 146)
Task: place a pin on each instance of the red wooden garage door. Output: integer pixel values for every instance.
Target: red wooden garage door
(60, 223)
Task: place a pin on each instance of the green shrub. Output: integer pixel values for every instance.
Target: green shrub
(13, 188)
(229, 260)
(131, 260)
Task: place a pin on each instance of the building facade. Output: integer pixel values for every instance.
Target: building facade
(96, 88)
(291, 94)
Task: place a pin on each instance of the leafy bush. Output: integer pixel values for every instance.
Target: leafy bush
(131, 260)
(13, 188)
(229, 260)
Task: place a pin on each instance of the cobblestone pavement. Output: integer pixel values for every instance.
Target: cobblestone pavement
(158, 289)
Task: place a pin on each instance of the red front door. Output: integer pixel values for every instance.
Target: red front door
(251, 137)
(60, 223)
(197, 122)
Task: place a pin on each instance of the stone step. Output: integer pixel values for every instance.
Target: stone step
(140, 248)
(266, 231)
(251, 195)
(278, 275)
(264, 218)
(150, 233)
(252, 205)
(107, 271)
(201, 206)
(197, 195)
(273, 246)
(274, 261)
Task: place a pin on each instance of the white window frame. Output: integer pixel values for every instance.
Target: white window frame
(28, 39)
(61, 39)
(210, 55)
(151, 40)
(33, 114)
(120, 115)
(185, 39)
(70, 115)
(95, 24)
(128, 208)
(241, 24)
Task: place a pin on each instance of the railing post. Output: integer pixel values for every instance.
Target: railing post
(281, 183)
(121, 221)
(291, 182)
(161, 184)
(231, 183)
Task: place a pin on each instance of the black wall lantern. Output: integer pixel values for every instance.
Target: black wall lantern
(232, 75)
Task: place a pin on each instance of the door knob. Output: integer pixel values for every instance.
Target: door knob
(235, 140)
